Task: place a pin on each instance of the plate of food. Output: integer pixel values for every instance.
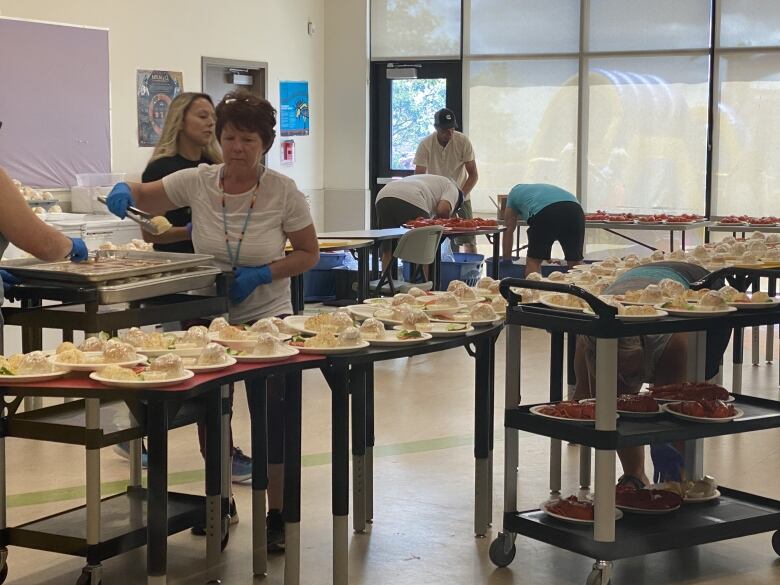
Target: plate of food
(569, 411)
(327, 343)
(7, 378)
(678, 308)
(191, 364)
(757, 301)
(399, 337)
(119, 377)
(638, 406)
(564, 302)
(641, 313)
(280, 352)
(90, 361)
(572, 510)
(692, 492)
(690, 391)
(23, 368)
(704, 411)
(647, 501)
(362, 312)
(441, 329)
(334, 322)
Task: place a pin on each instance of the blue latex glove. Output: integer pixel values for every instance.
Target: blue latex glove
(247, 279)
(189, 229)
(120, 198)
(8, 280)
(78, 250)
(667, 463)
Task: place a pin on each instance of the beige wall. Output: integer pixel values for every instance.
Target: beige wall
(346, 113)
(174, 34)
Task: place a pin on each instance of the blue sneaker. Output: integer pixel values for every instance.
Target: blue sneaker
(123, 450)
(242, 467)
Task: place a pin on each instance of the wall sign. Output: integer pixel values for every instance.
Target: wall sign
(294, 114)
(155, 92)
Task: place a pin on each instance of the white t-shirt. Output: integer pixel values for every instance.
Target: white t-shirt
(447, 161)
(423, 191)
(280, 208)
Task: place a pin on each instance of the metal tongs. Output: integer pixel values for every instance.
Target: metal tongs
(142, 218)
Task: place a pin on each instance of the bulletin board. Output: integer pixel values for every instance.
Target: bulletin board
(54, 102)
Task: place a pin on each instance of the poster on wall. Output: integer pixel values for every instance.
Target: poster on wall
(294, 115)
(155, 92)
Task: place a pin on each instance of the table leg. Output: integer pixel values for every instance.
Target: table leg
(671, 240)
(682, 237)
(94, 566)
(482, 437)
(258, 405)
(338, 381)
(496, 253)
(216, 520)
(556, 395)
(755, 331)
(770, 328)
(292, 478)
(736, 371)
(363, 276)
(436, 270)
(357, 388)
(375, 261)
(157, 503)
(571, 378)
(606, 401)
(370, 439)
(491, 430)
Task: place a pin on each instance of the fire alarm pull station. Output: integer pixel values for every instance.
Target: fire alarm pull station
(288, 152)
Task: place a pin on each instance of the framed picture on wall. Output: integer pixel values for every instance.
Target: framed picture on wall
(155, 91)
(294, 114)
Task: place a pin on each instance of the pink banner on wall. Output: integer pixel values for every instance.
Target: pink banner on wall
(54, 102)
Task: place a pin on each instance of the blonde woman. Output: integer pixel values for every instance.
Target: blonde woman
(187, 140)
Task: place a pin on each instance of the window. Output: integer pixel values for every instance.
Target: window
(523, 124)
(415, 28)
(750, 23)
(414, 103)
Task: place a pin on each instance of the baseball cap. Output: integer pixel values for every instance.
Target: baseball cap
(445, 119)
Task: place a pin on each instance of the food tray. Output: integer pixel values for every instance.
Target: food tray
(66, 271)
(186, 280)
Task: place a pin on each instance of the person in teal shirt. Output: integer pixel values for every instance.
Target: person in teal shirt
(553, 215)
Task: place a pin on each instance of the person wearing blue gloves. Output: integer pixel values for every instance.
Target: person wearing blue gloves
(243, 214)
(22, 228)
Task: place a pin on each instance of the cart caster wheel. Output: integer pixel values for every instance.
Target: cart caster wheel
(595, 578)
(225, 532)
(775, 543)
(3, 574)
(498, 554)
(86, 579)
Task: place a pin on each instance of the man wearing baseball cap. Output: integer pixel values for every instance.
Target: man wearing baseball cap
(449, 153)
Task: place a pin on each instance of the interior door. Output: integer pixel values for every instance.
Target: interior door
(404, 98)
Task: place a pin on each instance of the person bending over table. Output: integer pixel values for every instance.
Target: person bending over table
(553, 215)
(24, 229)
(655, 359)
(243, 214)
(401, 201)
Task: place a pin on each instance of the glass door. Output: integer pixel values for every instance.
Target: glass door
(404, 98)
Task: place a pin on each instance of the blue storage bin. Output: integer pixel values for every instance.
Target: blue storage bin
(319, 283)
(517, 270)
(466, 267)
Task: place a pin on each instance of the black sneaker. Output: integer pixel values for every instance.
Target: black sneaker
(241, 467)
(274, 530)
(200, 529)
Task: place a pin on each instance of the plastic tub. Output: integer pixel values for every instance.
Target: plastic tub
(466, 267)
(319, 283)
(517, 269)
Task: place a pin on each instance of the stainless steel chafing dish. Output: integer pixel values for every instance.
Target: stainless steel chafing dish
(110, 266)
(122, 276)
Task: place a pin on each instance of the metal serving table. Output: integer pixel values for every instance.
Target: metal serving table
(734, 514)
(354, 374)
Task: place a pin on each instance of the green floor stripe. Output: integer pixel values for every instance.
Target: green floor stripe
(195, 476)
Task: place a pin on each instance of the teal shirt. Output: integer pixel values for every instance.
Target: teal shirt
(529, 199)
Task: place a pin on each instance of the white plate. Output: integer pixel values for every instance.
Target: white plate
(647, 512)
(362, 311)
(548, 301)
(229, 361)
(696, 312)
(282, 353)
(92, 367)
(714, 496)
(386, 320)
(432, 310)
(701, 419)
(141, 383)
(152, 353)
(244, 344)
(659, 314)
(392, 341)
(464, 318)
(29, 378)
(583, 421)
(755, 306)
(440, 330)
(296, 322)
(633, 414)
(334, 350)
(378, 301)
(543, 508)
